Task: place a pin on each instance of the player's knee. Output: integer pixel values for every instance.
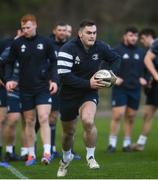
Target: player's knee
(44, 119)
(69, 134)
(87, 117)
(30, 122)
(88, 125)
(11, 123)
(117, 117)
(130, 118)
(53, 117)
(12, 119)
(2, 122)
(147, 116)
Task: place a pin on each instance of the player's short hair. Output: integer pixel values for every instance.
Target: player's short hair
(86, 22)
(28, 17)
(132, 29)
(147, 32)
(61, 23)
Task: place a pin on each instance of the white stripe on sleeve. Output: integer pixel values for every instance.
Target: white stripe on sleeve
(65, 55)
(64, 63)
(63, 71)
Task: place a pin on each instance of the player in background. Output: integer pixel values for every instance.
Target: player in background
(127, 90)
(147, 37)
(61, 32)
(37, 81)
(13, 110)
(58, 39)
(68, 31)
(3, 97)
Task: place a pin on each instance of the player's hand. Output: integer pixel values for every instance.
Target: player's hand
(96, 84)
(53, 87)
(11, 85)
(143, 81)
(119, 81)
(155, 77)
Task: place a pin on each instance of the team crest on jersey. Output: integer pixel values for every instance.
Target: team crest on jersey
(95, 57)
(23, 48)
(40, 46)
(77, 60)
(136, 56)
(125, 56)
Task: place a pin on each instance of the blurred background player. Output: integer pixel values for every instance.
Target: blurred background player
(3, 98)
(61, 33)
(13, 109)
(68, 31)
(58, 39)
(147, 37)
(126, 92)
(37, 81)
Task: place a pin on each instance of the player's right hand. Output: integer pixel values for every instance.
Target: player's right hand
(96, 84)
(11, 85)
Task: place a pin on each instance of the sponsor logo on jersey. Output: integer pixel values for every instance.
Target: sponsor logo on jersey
(77, 60)
(23, 48)
(125, 56)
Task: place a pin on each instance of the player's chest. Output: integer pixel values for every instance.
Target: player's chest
(31, 49)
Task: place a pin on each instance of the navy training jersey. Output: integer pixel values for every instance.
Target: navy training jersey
(56, 44)
(132, 65)
(37, 62)
(76, 66)
(154, 49)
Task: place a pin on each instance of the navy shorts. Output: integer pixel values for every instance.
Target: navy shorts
(69, 108)
(3, 97)
(30, 100)
(55, 102)
(13, 102)
(152, 96)
(126, 97)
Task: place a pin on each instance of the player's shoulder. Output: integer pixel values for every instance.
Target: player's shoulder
(154, 47)
(69, 46)
(155, 43)
(101, 43)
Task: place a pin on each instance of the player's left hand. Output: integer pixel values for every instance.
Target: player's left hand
(53, 87)
(143, 81)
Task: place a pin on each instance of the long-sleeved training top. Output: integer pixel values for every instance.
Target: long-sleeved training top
(76, 66)
(37, 62)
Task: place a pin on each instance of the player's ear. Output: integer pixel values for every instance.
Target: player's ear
(80, 33)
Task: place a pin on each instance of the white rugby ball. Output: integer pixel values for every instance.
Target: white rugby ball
(105, 77)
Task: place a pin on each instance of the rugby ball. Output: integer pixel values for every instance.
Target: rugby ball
(107, 77)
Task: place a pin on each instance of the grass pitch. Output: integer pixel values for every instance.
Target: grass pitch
(119, 165)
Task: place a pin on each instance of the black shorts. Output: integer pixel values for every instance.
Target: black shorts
(13, 102)
(30, 100)
(69, 108)
(3, 97)
(55, 102)
(152, 96)
(126, 97)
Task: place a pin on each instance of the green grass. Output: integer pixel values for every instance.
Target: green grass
(119, 165)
